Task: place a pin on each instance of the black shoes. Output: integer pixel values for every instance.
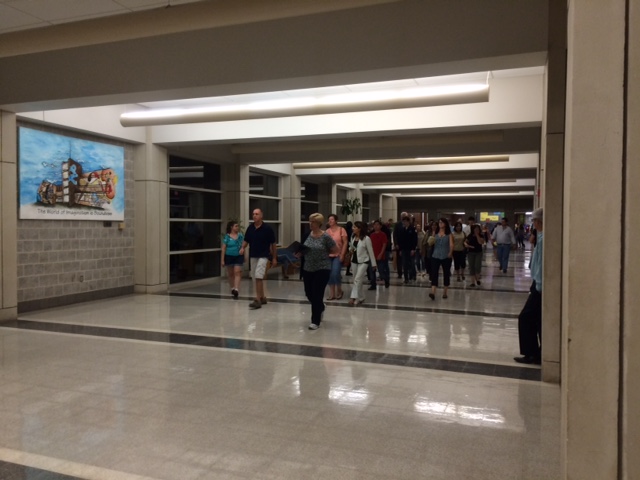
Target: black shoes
(528, 360)
(432, 296)
(234, 292)
(372, 287)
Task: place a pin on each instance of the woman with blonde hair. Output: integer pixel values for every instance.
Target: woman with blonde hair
(363, 256)
(317, 266)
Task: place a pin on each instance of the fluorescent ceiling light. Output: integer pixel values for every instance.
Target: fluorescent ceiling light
(387, 99)
(483, 194)
(426, 186)
(396, 162)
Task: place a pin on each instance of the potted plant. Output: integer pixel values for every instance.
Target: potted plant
(351, 206)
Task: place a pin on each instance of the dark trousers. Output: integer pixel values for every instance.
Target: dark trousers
(459, 260)
(446, 270)
(399, 263)
(383, 268)
(314, 285)
(530, 324)
(408, 265)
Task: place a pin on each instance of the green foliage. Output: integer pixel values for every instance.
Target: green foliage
(351, 206)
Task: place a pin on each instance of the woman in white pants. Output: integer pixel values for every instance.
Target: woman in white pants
(362, 251)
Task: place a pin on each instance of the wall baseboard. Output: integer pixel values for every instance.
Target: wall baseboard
(63, 300)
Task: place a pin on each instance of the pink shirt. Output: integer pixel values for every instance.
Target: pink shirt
(339, 236)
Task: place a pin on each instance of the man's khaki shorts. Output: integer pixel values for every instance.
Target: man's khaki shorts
(258, 268)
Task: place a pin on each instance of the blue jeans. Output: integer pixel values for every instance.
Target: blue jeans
(335, 278)
(503, 255)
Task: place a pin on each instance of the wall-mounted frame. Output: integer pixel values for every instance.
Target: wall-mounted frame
(67, 178)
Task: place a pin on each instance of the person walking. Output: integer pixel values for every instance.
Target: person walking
(505, 240)
(379, 241)
(362, 251)
(262, 244)
(407, 240)
(232, 260)
(349, 229)
(339, 236)
(419, 258)
(397, 230)
(441, 256)
(459, 254)
(474, 243)
(317, 249)
(530, 318)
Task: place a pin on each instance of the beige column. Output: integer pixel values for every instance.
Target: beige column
(235, 193)
(388, 207)
(8, 217)
(593, 270)
(151, 172)
(630, 421)
(551, 178)
(291, 209)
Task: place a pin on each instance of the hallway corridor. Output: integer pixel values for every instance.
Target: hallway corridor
(195, 385)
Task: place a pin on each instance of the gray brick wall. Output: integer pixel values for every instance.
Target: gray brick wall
(70, 258)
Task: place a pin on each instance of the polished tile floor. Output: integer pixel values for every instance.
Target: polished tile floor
(195, 385)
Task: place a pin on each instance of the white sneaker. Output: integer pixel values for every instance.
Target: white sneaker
(313, 326)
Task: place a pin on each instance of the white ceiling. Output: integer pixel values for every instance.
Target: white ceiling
(25, 14)
(17, 15)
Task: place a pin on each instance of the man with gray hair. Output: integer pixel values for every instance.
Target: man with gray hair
(530, 318)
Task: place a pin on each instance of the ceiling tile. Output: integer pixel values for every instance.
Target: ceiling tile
(66, 10)
(12, 19)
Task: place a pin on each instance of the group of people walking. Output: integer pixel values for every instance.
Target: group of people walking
(327, 251)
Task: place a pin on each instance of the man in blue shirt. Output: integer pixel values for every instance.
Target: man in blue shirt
(262, 245)
(530, 318)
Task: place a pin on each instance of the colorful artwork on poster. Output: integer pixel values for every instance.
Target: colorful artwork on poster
(491, 216)
(65, 178)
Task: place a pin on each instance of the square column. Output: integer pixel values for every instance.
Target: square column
(151, 172)
(596, 257)
(8, 217)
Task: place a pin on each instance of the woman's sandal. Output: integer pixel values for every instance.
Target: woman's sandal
(339, 297)
(331, 298)
(352, 301)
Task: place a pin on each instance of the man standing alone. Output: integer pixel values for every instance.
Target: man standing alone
(262, 245)
(530, 318)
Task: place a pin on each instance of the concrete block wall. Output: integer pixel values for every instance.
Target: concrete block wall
(61, 262)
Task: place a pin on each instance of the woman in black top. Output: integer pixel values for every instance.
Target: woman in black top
(474, 243)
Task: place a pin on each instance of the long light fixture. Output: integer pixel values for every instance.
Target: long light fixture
(479, 194)
(399, 162)
(424, 96)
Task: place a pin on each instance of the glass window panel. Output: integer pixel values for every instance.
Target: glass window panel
(189, 204)
(307, 209)
(193, 235)
(191, 173)
(309, 191)
(341, 195)
(185, 267)
(270, 208)
(262, 184)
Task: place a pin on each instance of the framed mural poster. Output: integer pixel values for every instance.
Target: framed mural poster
(66, 178)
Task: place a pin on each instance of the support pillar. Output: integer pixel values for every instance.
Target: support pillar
(151, 173)
(8, 217)
(550, 183)
(599, 289)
